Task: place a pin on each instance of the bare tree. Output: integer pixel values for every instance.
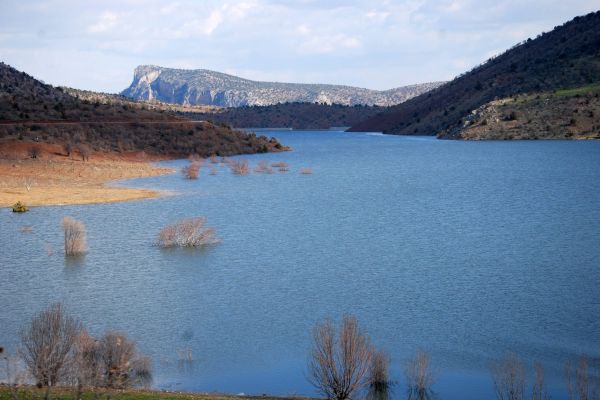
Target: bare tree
(281, 166)
(68, 148)
(190, 232)
(35, 151)
(339, 365)
(419, 376)
(539, 391)
(86, 371)
(582, 383)
(379, 379)
(84, 151)
(28, 182)
(192, 170)
(508, 375)
(48, 344)
(239, 167)
(121, 364)
(75, 236)
(263, 167)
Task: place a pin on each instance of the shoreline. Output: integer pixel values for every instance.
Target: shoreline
(54, 179)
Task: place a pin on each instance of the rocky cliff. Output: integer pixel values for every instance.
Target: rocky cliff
(202, 86)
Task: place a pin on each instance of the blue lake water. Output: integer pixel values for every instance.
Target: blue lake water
(464, 249)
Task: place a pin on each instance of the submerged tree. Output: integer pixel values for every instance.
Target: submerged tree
(339, 363)
(419, 376)
(379, 379)
(190, 232)
(75, 236)
(508, 375)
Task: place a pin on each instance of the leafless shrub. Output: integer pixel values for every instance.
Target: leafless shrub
(263, 168)
(539, 391)
(379, 379)
(306, 171)
(192, 170)
(419, 376)
(26, 229)
(185, 355)
(239, 167)
(84, 151)
(582, 383)
(508, 375)
(339, 365)
(75, 237)
(48, 345)
(214, 159)
(34, 151)
(68, 148)
(121, 364)
(281, 166)
(87, 372)
(190, 232)
(28, 182)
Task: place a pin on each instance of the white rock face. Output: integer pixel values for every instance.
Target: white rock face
(202, 86)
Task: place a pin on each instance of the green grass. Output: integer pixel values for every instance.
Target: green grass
(583, 90)
(68, 394)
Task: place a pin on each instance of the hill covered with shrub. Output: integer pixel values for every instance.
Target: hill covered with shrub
(566, 57)
(564, 114)
(290, 115)
(31, 110)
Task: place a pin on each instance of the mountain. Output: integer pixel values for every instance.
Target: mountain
(202, 86)
(31, 111)
(566, 57)
(289, 115)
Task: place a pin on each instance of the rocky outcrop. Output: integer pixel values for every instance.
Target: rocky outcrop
(566, 114)
(191, 87)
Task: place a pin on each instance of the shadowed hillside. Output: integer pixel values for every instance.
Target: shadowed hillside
(33, 111)
(291, 115)
(568, 56)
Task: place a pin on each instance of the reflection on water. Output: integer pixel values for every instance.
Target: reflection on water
(466, 250)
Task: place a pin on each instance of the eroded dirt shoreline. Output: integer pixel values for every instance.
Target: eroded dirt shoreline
(53, 178)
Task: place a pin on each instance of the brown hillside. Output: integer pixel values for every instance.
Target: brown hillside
(31, 111)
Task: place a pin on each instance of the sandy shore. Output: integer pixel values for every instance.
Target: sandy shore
(55, 179)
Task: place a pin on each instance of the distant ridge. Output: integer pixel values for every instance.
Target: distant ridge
(201, 86)
(566, 57)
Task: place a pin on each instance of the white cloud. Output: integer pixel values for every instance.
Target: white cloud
(105, 23)
(371, 43)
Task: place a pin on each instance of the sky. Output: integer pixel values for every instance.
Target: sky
(377, 44)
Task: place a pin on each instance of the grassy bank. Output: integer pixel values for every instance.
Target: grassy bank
(31, 392)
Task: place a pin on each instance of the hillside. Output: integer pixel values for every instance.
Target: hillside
(214, 88)
(290, 115)
(568, 56)
(32, 111)
(565, 114)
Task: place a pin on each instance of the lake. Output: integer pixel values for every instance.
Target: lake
(467, 250)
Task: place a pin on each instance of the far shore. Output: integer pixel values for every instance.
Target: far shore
(53, 178)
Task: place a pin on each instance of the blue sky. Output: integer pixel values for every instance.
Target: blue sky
(375, 44)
